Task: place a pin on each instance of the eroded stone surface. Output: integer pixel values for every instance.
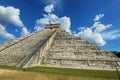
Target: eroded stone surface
(69, 51)
(55, 47)
(13, 54)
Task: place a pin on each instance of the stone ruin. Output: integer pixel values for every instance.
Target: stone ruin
(55, 47)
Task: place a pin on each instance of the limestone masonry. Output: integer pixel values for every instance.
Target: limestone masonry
(56, 48)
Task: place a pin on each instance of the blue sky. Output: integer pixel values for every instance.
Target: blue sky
(97, 21)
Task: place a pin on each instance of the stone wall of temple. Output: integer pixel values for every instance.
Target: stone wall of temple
(14, 53)
(70, 51)
(57, 48)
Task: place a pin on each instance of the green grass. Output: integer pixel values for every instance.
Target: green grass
(75, 72)
(68, 72)
(10, 67)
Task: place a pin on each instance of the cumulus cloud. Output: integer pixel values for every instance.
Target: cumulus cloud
(98, 17)
(56, 3)
(49, 8)
(98, 33)
(111, 35)
(90, 35)
(10, 15)
(24, 31)
(51, 18)
(52, 1)
(99, 27)
(65, 23)
(4, 34)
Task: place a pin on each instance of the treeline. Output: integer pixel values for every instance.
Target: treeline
(116, 53)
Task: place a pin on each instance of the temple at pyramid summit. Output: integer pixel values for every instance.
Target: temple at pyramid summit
(55, 47)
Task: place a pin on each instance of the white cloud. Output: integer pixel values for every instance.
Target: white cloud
(65, 23)
(91, 36)
(99, 27)
(98, 33)
(111, 35)
(4, 34)
(80, 28)
(40, 23)
(24, 31)
(10, 15)
(51, 18)
(56, 3)
(52, 1)
(49, 8)
(98, 17)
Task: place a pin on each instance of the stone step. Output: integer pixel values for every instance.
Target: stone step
(65, 42)
(108, 53)
(79, 57)
(64, 35)
(66, 38)
(69, 63)
(74, 47)
(103, 64)
(81, 63)
(81, 47)
(75, 52)
(96, 54)
(11, 43)
(20, 50)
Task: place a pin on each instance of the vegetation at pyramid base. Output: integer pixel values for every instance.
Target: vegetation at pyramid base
(68, 72)
(116, 53)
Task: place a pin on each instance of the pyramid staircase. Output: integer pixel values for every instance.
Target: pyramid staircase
(17, 52)
(57, 48)
(69, 51)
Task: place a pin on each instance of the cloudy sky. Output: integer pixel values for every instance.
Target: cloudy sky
(97, 21)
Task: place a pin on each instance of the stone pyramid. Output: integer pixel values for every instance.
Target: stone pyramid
(55, 47)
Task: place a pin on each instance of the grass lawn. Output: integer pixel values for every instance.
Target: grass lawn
(50, 73)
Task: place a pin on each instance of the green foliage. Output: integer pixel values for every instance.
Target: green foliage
(116, 53)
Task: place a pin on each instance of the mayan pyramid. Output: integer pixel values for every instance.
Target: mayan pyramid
(55, 47)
